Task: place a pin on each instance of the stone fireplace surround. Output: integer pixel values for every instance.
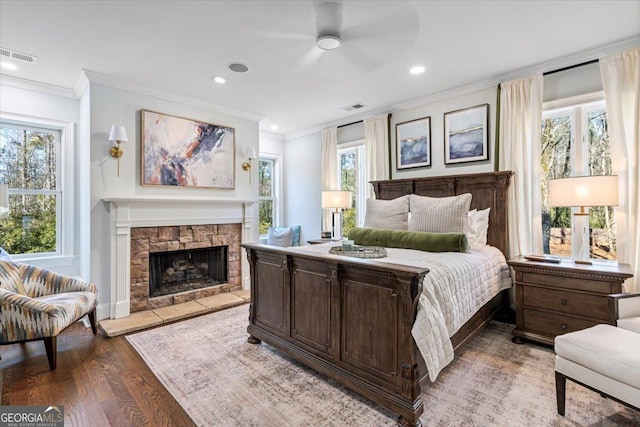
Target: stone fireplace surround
(126, 214)
(147, 240)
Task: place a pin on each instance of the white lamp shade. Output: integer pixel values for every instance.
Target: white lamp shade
(250, 153)
(336, 199)
(118, 133)
(582, 191)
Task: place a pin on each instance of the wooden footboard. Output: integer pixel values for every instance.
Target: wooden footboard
(347, 318)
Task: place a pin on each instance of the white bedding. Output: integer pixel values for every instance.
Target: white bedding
(457, 285)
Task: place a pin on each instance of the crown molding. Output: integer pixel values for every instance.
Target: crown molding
(33, 85)
(348, 119)
(542, 67)
(106, 80)
(271, 135)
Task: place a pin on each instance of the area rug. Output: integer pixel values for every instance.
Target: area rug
(221, 380)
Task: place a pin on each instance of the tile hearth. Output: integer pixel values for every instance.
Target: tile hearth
(159, 316)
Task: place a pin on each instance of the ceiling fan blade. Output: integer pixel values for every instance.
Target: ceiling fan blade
(308, 60)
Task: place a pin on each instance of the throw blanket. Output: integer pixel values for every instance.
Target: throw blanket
(457, 285)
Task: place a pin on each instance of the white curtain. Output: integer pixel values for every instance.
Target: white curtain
(376, 136)
(520, 133)
(621, 81)
(329, 168)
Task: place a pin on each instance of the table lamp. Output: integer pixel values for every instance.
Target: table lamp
(337, 200)
(583, 191)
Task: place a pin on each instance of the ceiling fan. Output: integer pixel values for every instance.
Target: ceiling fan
(371, 32)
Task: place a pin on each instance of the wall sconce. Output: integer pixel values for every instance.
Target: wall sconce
(249, 153)
(117, 135)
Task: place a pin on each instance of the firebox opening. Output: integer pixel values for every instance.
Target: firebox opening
(185, 270)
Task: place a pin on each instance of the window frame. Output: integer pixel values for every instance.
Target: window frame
(578, 107)
(361, 176)
(65, 175)
(276, 197)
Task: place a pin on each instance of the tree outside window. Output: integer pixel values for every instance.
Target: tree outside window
(266, 189)
(353, 179)
(29, 165)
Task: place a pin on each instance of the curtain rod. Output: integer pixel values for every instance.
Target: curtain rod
(570, 67)
(349, 124)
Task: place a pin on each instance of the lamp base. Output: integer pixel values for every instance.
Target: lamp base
(583, 261)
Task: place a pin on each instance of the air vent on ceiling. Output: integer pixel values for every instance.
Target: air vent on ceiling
(353, 107)
(17, 55)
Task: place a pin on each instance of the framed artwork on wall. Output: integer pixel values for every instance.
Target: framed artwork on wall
(466, 135)
(186, 153)
(413, 143)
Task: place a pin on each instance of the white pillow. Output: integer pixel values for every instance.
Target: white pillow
(389, 214)
(280, 236)
(439, 214)
(478, 227)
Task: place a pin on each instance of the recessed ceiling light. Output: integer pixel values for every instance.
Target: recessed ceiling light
(274, 127)
(219, 79)
(238, 67)
(419, 69)
(9, 66)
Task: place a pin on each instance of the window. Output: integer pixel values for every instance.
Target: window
(267, 194)
(353, 177)
(30, 165)
(575, 142)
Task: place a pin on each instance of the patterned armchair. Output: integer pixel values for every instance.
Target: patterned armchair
(37, 304)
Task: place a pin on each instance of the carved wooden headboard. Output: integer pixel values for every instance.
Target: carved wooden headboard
(489, 190)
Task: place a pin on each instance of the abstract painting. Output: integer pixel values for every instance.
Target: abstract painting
(413, 143)
(466, 135)
(186, 153)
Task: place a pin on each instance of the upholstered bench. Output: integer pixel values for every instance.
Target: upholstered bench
(602, 358)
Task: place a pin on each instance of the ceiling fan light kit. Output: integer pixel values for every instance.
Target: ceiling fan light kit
(328, 42)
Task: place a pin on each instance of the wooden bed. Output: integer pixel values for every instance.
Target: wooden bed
(351, 319)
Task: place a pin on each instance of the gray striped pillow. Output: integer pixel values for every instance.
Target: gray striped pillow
(439, 214)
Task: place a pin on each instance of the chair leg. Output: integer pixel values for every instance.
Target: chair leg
(561, 386)
(92, 320)
(51, 345)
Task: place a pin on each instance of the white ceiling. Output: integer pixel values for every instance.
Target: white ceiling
(175, 47)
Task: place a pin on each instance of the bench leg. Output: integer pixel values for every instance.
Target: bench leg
(561, 386)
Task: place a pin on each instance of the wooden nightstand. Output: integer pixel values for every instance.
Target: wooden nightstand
(553, 299)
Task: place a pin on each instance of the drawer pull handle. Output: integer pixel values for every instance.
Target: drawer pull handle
(563, 327)
(563, 301)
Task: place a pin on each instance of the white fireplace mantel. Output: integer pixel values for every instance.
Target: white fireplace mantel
(154, 211)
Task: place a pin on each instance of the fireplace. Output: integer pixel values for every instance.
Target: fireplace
(178, 271)
(180, 254)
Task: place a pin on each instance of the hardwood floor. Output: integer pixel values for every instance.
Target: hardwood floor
(100, 381)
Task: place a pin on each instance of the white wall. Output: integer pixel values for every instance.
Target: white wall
(303, 185)
(108, 106)
(436, 111)
(39, 105)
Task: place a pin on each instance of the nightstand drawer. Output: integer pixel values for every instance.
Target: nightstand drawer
(553, 324)
(567, 302)
(571, 283)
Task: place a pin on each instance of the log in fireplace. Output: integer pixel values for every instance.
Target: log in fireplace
(184, 270)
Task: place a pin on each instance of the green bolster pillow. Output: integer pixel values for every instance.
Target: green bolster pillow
(430, 242)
